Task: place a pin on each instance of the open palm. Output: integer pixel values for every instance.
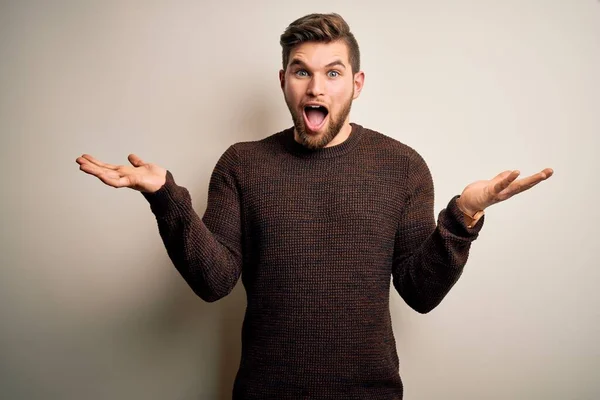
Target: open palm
(141, 176)
(481, 194)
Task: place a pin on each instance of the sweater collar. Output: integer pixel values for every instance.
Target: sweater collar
(326, 152)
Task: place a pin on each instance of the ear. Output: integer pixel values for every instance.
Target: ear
(359, 81)
(282, 79)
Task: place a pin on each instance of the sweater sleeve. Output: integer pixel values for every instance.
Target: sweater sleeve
(429, 257)
(206, 252)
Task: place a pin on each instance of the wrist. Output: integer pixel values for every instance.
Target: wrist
(471, 217)
(468, 211)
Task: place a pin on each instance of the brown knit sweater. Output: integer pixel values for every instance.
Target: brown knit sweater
(316, 236)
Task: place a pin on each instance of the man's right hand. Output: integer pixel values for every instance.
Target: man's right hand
(142, 176)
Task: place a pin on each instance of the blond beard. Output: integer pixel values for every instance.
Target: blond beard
(334, 126)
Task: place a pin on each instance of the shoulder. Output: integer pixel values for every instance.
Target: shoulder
(258, 148)
(384, 145)
(244, 158)
(400, 158)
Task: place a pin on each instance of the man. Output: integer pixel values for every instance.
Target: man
(316, 219)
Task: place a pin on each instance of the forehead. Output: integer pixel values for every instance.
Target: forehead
(319, 54)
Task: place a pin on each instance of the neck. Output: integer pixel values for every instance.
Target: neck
(342, 135)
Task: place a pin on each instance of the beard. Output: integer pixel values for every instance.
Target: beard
(333, 127)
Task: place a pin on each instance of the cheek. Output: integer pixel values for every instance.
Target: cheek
(292, 96)
(293, 91)
(339, 95)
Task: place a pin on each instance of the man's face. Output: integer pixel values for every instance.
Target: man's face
(319, 86)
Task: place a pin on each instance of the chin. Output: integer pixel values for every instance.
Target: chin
(322, 131)
(316, 140)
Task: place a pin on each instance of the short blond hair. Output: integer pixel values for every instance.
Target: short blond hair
(320, 28)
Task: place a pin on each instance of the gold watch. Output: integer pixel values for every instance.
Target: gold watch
(474, 218)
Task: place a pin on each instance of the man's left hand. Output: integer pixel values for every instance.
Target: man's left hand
(481, 194)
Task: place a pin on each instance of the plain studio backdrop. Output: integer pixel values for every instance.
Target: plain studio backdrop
(91, 306)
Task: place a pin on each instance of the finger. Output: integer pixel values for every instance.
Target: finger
(95, 170)
(90, 168)
(108, 176)
(536, 178)
(497, 179)
(116, 181)
(527, 183)
(82, 160)
(502, 175)
(506, 178)
(98, 162)
(135, 160)
(547, 173)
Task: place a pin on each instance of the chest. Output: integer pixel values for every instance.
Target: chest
(338, 206)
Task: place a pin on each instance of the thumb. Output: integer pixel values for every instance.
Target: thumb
(135, 160)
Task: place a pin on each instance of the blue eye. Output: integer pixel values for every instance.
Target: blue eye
(301, 72)
(333, 72)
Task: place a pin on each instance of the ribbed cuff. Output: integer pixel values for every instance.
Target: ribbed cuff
(169, 200)
(454, 221)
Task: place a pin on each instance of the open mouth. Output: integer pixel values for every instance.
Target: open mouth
(315, 116)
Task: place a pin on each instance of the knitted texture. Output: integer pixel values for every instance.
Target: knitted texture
(318, 237)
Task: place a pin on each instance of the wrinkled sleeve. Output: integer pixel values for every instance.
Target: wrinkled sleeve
(206, 251)
(429, 257)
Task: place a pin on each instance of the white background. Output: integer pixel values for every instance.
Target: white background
(91, 306)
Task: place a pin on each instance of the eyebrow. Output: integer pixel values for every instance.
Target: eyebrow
(301, 63)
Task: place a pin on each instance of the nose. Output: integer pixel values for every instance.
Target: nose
(316, 87)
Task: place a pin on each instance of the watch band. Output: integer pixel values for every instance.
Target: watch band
(472, 219)
(475, 218)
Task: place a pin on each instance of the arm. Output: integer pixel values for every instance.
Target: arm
(429, 257)
(207, 252)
